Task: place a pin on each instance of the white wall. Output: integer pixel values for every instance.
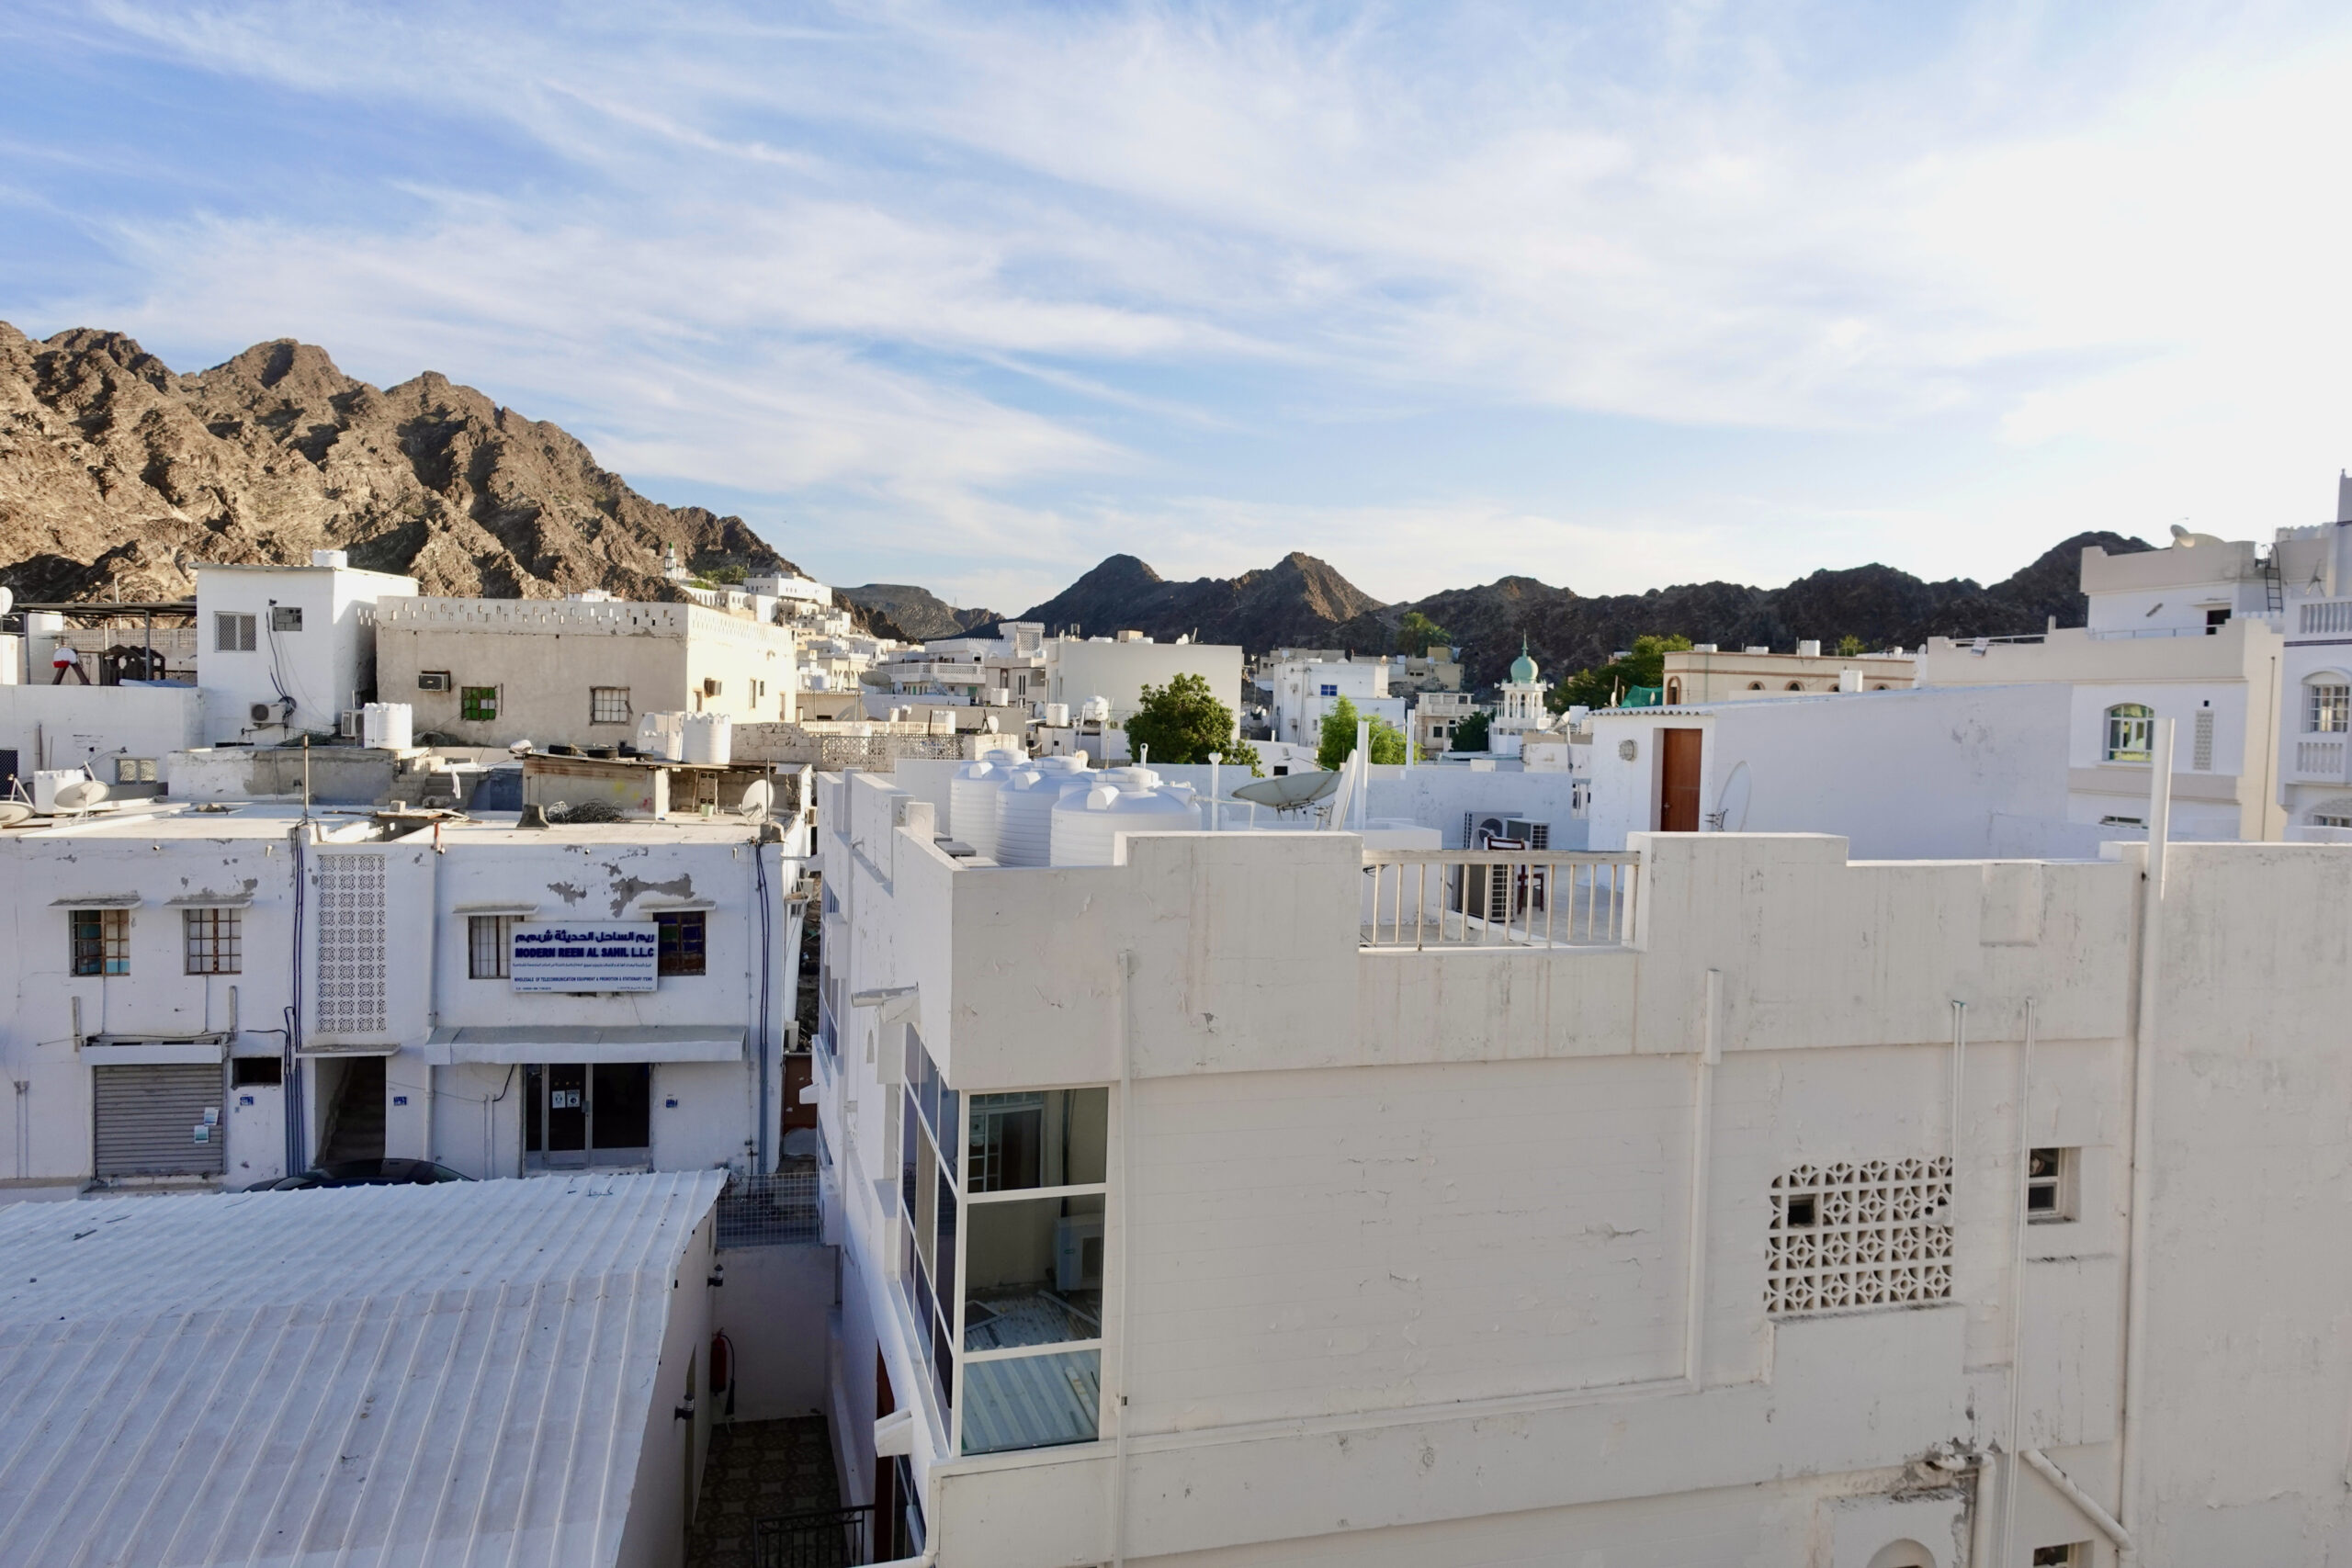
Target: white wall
(1119, 670)
(65, 726)
(322, 667)
(1908, 773)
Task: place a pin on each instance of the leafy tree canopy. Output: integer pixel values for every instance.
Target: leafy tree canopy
(1338, 738)
(1183, 722)
(1419, 634)
(1470, 735)
(1849, 647)
(1599, 687)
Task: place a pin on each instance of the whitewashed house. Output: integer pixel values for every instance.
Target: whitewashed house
(1302, 691)
(2314, 566)
(286, 652)
(1250, 1201)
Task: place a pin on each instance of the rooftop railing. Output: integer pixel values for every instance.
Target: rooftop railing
(1499, 899)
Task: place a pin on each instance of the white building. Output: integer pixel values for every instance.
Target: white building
(1118, 669)
(303, 1377)
(155, 956)
(2315, 566)
(488, 672)
(1707, 674)
(1749, 1204)
(287, 650)
(1302, 691)
(121, 734)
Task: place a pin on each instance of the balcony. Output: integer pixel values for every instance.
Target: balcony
(2320, 760)
(1502, 898)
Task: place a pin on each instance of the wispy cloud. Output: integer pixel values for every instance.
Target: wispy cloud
(975, 294)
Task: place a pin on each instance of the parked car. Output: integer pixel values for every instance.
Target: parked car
(364, 1173)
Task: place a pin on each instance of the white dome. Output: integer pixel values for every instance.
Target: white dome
(1024, 808)
(1120, 800)
(971, 799)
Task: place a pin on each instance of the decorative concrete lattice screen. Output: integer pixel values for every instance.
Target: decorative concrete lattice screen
(1875, 1233)
(351, 944)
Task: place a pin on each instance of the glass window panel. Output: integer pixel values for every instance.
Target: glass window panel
(1055, 1137)
(944, 1224)
(1032, 1402)
(926, 1205)
(1032, 1272)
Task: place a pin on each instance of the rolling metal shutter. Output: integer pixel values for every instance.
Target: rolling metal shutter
(147, 1119)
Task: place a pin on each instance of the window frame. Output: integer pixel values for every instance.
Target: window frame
(478, 704)
(2121, 724)
(676, 955)
(134, 770)
(490, 939)
(2327, 705)
(601, 712)
(235, 631)
(2052, 1171)
(97, 943)
(213, 940)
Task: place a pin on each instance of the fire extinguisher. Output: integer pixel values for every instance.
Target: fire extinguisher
(722, 1369)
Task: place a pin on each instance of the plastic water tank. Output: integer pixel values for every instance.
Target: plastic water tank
(971, 798)
(709, 737)
(390, 726)
(1024, 808)
(661, 735)
(1123, 800)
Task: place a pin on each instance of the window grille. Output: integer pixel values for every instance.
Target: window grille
(609, 705)
(488, 945)
(215, 940)
(2328, 708)
(1874, 1233)
(681, 949)
(478, 703)
(134, 770)
(351, 944)
(101, 942)
(2201, 757)
(2130, 732)
(232, 633)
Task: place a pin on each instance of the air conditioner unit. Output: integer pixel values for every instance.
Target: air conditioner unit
(1078, 1252)
(272, 713)
(1498, 893)
(711, 686)
(433, 680)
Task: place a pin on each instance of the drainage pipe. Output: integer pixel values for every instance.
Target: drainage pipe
(2017, 1285)
(1702, 1138)
(1127, 1247)
(2143, 1164)
(2083, 1502)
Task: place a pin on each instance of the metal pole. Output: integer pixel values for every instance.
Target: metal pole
(2144, 1100)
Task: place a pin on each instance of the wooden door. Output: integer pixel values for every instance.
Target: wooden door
(1677, 807)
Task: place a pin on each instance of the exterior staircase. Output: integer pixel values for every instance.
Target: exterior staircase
(355, 1128)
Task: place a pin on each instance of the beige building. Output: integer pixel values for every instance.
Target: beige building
(565, 672)
(1118, 669)
(1435, 718)
(1705, 674)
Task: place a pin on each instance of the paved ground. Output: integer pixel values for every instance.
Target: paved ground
(759, 1470)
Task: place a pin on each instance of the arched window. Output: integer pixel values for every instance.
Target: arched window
(1673, 693)
(2327, 705)
(1756, 686)
(1796, 685)
(2130, 732)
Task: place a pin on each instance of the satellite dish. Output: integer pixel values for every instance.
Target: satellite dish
(80, 796)
(757, 797)
(1289, 792)
(8, 601)
(14, 813)
(1730, 814)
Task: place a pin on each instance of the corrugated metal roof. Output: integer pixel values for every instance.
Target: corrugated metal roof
(386, 1375)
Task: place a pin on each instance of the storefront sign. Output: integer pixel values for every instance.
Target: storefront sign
(587, 955)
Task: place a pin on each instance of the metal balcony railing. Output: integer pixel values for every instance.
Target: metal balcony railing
(831, 1538)
(769, 1210)
(1547, 899)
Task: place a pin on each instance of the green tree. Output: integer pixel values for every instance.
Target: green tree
(1601, 686)
(1182, 722)
(1470, 735)
(730, 575)
(1419, 634)
(1849, 647)
(1338, 738)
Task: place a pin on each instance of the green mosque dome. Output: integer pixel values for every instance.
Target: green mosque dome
(1523, 668)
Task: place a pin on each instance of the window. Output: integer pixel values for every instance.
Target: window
(1796, 685)
(1673, 693)
(245, 1072)
(134, 770)
(101, 942)
(1867, 1234)
(489, 940)
(682, 942)
(478, 703)
(215, 940)
(1048, 1139)
(2130, 733)
(286, 618)
(232, 633)
(1328, 691)
(433, 680)
(2327, 707)
(2049, 1185)
(2215, 620)
(2076, 1554)
(609, 705)
(1756, 686)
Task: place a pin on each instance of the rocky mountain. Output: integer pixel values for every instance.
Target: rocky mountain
(1296, 602)
(117, 475)
(911, 614)
(1883, 607)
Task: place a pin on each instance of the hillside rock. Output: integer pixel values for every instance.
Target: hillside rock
(1883, 607)
(911, 613)
(1296, 602)
(118, 477)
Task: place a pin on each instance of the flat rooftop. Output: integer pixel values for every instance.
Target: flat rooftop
(461, 1373)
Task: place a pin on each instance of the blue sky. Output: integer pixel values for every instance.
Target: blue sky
(1610, 296)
